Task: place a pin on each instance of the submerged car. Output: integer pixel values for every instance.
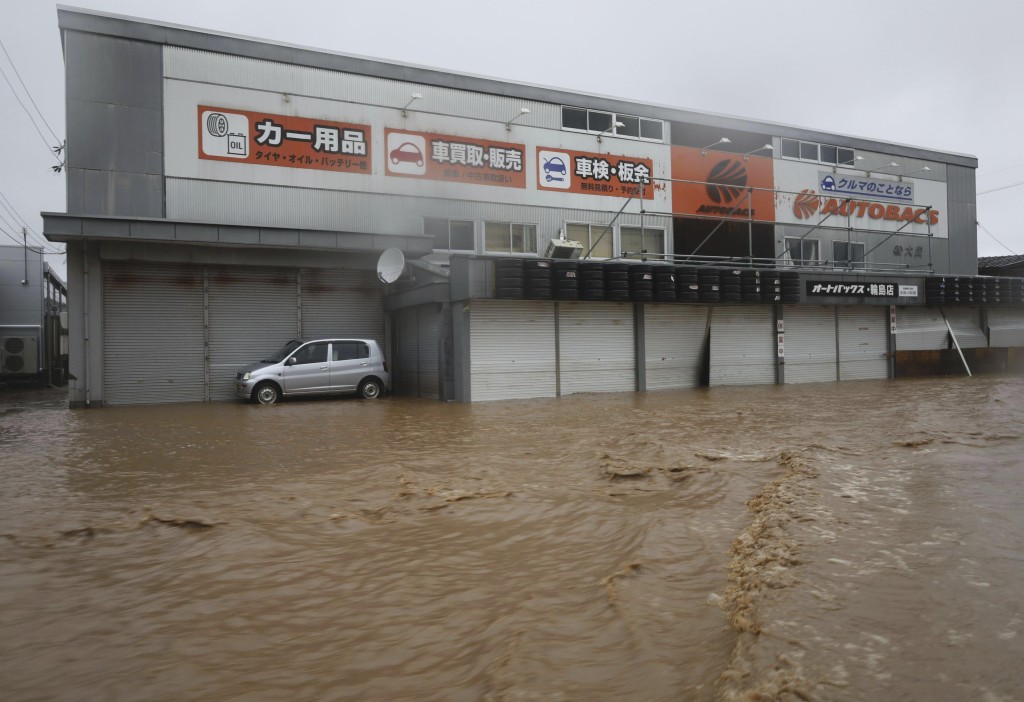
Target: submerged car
(316, 367)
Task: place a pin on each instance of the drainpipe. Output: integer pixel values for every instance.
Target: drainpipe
(85, 295)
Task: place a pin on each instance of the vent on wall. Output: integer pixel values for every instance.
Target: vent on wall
(18, 354)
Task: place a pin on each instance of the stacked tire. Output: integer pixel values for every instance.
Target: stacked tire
(731, 285)
(641, 282)
(750, 286)
(537, 279)
(935, 290)
(993, 291)
(664, 283)
(771, 287)
(709, 285)
(566, 280)
(616, 282)
(590, 280)
(508, 278)
(687, 284)
(790, 286)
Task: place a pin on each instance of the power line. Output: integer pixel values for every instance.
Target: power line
(1001, 187)
(30, 117)
(996, 240)
(25, 88)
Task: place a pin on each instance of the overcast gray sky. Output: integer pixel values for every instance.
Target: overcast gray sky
(941, 75)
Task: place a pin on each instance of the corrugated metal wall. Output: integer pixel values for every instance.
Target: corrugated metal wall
(674, 345)
(810, 343)
(863, 342)
(341, 303)
(416, 369)
(512, 349)
(743, 345)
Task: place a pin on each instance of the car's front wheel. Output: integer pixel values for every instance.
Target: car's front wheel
(266, 393)
(370, 389)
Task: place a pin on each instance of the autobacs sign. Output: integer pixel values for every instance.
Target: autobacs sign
(808, 203)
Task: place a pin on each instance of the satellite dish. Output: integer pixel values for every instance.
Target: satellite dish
(390, 265)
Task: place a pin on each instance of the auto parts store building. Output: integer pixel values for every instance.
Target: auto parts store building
(226, 195)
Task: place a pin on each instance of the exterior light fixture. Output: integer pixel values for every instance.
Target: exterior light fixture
(412, 98)
(916, 170)
(766, 147)
(614, 125)
(891, 164)
(522, 111)
(723, 140)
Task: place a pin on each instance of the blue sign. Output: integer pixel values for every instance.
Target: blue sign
(869, 188)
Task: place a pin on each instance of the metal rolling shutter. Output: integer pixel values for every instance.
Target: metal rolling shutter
(920, 329)
(253, 312)
(427, 334)
(342, 303)
(810, 343)
(863, 342)
(966, 324)
(674, 344)
(597, 350)
(152, 334)
(1006, 326)
(743, 345)
(512, 350)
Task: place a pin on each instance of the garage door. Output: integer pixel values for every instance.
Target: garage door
(253, 312)
(810, 343)
(153, 334)
(674, 345)
(342, 303)
(920, 329)
(863, 342)
(512, 349)
(1006, 326)
(743, 345)
(966, 324)
(597, 348)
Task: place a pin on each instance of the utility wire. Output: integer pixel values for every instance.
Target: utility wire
(996, 240)
(1001, 187)
(25, 88)
(35, 239)
(31, 119)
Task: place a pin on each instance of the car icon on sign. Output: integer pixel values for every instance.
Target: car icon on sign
(553, 166)
(407, 152)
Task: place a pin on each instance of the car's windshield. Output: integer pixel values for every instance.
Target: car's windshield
(283, 353)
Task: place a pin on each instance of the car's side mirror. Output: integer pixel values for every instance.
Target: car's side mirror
(291, 361)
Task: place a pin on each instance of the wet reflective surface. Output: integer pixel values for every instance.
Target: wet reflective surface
(830, 542)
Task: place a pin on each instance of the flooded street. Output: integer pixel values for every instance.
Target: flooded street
(852, 541)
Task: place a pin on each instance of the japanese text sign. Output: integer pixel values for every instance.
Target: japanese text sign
(832, 289)
(722, 185)
(454, 159)
(594, 174)
(279, 140)
(871, 188)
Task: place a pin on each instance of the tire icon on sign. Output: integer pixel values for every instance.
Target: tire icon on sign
(217, 124)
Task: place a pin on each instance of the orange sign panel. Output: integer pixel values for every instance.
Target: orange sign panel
(279, 140)
(722, 185)
(594, 174)
(454, 159)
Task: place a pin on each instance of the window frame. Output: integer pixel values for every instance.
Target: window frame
(509, 251)
(802, 261)
(849, 262)
(590, 234)
(850, 163)
(449, 220)
(614, 131)
(637, 228)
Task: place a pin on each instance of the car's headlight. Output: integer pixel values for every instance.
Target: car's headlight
(245, 376)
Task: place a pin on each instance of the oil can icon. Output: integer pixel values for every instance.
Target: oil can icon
(225, 134)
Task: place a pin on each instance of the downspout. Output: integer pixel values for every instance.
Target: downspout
(85, 294)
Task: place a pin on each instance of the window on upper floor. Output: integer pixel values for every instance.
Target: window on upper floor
(818, 153)
(510, 238)
(450, 234)
(601, 122)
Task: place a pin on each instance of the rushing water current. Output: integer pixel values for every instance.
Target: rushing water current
(854, 541)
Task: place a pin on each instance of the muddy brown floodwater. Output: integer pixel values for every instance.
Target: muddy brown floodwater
(854, 541)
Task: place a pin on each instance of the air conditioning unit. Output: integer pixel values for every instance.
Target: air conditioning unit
(563, 248)
(18, 355)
